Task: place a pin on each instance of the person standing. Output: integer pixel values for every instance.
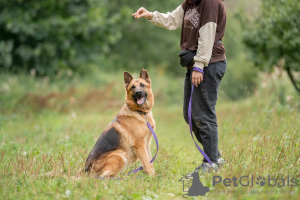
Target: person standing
(202, 24)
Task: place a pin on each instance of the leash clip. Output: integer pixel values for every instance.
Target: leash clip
(146, 118)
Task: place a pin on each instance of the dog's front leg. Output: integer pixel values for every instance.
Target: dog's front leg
(148, 142)
(142, 154)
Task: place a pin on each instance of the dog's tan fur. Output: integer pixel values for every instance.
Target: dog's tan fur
(132, 132)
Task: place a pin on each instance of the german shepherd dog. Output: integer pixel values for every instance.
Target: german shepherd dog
(127, 138)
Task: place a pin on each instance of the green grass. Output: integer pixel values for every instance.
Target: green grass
(51, 125)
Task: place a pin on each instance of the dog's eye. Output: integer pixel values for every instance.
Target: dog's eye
(133, 87)
(142, 85)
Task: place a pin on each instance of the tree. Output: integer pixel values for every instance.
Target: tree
(275, 35)
(54, 35)
(51, 36)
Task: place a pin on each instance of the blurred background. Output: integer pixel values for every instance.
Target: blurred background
(71, 43)
(62, 40)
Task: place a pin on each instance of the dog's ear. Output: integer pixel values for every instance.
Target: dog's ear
(127, 78)
(144, 75)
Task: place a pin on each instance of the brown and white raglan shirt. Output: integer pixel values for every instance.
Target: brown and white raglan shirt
(203, 25)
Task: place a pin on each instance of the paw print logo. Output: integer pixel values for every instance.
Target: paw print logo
(260, 181)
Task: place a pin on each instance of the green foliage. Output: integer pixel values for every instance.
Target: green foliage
(50, 36)
(274, 34)
(241, 77)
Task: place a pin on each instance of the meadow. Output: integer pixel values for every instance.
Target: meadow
(51, 124)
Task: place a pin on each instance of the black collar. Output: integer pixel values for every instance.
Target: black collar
(141, 112)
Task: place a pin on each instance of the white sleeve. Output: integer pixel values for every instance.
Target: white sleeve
(170, 21)
(205, 45)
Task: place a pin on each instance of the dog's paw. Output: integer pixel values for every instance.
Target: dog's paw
(152, 172)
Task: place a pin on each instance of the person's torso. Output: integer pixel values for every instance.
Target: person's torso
(196, 15)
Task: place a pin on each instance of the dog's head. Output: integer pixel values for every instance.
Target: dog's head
(138, 92)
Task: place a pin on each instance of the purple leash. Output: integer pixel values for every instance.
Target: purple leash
(140, 168)
(190, 124)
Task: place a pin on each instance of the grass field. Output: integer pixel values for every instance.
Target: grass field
(52, 124)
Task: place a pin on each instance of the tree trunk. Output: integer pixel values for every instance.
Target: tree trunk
(296, 83)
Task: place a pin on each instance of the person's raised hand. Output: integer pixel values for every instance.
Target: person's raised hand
(197, 78)
(142, 12)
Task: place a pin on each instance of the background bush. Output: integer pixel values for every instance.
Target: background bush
(49, 36)
(273, 37)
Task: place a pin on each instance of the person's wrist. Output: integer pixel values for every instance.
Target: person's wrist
(150, 16)
(198, 70)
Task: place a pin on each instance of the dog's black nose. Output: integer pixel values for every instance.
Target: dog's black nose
(139, 94)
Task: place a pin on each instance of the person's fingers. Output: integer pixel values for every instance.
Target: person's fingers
(143, 15)
(196, 81)
(199, 80)
(138, 12)
(137, 16)
(141, 10)
(193, 80)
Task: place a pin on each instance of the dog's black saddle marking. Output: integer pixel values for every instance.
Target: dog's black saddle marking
(108, 141)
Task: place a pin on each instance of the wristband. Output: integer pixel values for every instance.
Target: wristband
(198, 70)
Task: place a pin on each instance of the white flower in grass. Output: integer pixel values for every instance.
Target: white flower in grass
(155, 195)
(24, 153)
(68, 193)
(146, 198)
(171, 194)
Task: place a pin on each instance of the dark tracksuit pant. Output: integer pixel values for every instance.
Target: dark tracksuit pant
(204, 119)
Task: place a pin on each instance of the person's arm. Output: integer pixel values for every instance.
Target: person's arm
(206, 40)
(170, 21)
(207, 34)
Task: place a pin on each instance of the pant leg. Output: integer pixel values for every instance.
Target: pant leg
(186, 95)
(186, 100)
(204, 101)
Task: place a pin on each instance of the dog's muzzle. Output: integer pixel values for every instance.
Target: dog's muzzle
(140, 97)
